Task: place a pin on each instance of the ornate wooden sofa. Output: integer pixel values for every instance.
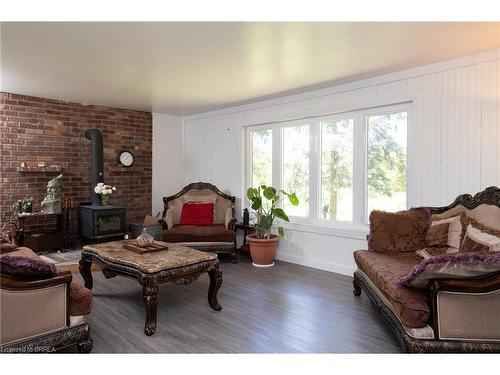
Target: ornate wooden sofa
(42, 315)
(219, 237)
(452, 315)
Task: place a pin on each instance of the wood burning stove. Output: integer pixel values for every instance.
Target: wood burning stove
(101, 222)
(98, 222)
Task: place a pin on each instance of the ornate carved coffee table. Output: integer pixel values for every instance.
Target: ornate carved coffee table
(179, 264)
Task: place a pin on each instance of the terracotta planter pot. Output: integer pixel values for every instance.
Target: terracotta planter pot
(263, 250)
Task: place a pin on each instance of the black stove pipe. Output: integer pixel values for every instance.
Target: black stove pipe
(97, 163)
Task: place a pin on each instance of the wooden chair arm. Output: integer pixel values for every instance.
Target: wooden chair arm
(231, 224)
(483, 284)
(15, 283)
(163, 224)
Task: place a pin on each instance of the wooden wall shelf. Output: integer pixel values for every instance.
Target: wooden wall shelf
(50, 169)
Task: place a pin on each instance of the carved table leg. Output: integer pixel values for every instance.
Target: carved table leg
(150, 295)
(86, 272)
(215, 283)
(357, 288)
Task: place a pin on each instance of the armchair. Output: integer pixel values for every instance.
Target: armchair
(220, 237)
(42, 315)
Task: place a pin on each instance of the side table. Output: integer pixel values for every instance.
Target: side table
(41, 232)
(247, 229)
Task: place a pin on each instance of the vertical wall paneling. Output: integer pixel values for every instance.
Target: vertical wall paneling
(490, 124)
(470, 129)
(414, 141)
(450, 134)
(431, 132)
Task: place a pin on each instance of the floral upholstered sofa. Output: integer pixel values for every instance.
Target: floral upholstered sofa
(217, 235)
(41, 308)
(438, 298)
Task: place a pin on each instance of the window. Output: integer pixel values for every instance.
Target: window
(386, 165)
(262, 157)
(336, 169)
(340, 166)
(296, 168)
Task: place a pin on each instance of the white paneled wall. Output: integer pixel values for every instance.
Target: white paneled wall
(168, 158)
(454, 143)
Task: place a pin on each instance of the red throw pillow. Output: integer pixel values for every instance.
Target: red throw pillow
(197, 214)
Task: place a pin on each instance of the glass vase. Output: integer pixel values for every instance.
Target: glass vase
(105, 200)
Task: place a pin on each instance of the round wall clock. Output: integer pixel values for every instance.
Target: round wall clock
(126, 158)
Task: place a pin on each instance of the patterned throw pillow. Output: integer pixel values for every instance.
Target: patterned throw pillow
(402, 231)
(26, 267)
(444, 236)
(458, 265)
(429, 252)
(445, 232)
(479, 238)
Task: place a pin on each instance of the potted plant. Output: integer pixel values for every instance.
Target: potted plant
(105, 192)
(265, 201)
(23, 206)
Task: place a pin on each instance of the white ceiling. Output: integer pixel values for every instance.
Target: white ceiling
(187, 68)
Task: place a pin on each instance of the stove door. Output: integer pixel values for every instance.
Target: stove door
(109, 223)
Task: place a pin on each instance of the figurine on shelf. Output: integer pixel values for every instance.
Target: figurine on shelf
(52, 203)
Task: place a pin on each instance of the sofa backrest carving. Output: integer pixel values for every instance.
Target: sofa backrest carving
(484, 207)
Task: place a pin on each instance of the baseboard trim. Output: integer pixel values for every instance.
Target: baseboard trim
(318, 264)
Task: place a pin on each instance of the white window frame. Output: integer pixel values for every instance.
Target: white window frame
(249, 156)
(377, 112)
(335, 117)
(360, 160)
(290, 124)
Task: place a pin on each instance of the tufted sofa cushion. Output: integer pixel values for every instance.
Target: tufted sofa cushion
(194, 233)
(384, 269)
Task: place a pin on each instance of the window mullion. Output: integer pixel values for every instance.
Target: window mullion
(359, 168)
(314, 170)
(277, 157)
(249, 166)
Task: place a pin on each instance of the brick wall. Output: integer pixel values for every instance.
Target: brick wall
(37, 129)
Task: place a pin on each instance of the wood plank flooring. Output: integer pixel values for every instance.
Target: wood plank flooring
(283, 309)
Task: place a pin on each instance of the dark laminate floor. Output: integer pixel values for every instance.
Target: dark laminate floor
(283, 309)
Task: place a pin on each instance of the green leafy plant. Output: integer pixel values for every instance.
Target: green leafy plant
(265, 201)
(20, 206)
